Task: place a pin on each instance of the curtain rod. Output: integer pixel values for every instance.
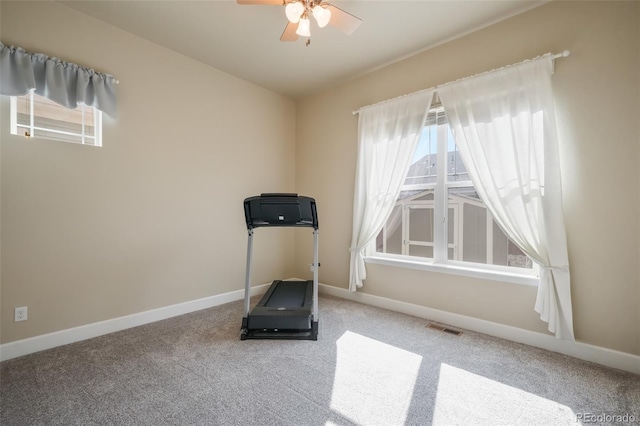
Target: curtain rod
(564, 54)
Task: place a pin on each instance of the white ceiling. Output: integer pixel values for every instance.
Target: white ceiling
(243, 40)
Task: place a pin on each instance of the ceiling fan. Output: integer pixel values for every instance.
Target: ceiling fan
(299, 14)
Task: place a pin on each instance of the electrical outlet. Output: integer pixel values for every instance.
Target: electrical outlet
(20, 314)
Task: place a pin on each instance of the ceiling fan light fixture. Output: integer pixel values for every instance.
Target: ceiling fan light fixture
(298, 13)
(304, 26)
(322, 15)
(294, 11)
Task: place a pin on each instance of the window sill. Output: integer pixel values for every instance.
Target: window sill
(485, 274)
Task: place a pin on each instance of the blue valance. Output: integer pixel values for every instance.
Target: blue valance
(63, 82)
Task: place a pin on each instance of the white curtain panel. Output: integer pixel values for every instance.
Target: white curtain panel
(388, 135)
(504, 125)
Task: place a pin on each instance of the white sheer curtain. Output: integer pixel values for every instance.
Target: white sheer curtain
(388, 134)
(504, 125)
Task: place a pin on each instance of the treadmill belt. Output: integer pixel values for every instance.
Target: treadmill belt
(288, 294)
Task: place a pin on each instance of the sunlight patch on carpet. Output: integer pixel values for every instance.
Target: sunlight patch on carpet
(467, 398)
(373, 381)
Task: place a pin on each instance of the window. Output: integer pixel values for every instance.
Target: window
(439, 215)
(37, 116)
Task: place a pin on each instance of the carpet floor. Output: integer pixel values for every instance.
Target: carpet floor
(369, 366)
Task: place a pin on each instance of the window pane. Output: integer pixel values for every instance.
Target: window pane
(474, 233)
(452, 218)
(517, 258)
(420, 224)
(423, 169)
(43, 107)
(456, 171)
(481, 240)
(420, 251)
(58, 125)
(506, 252)
(424, 196)
(393, 234)
(500, 246)
(22, 110)
(89, 119)
(57, 136)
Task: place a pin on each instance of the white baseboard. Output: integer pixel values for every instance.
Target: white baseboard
(64, 337)
(599, 355)
(584, 351)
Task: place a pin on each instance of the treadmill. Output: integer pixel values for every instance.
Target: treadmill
(289, 309)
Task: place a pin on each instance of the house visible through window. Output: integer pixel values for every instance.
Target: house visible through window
(39, 117)
(439, 215)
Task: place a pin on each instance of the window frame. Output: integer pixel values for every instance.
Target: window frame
(32, 129)
(440, 261)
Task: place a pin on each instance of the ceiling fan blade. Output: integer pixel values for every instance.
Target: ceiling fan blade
(342, 20)
(267, 2)
(289, 33)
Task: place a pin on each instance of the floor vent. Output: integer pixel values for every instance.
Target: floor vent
(443, 328)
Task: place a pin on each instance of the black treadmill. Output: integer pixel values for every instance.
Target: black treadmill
(289, 309)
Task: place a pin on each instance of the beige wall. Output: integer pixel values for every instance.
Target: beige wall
(153, 218)
(597, 96)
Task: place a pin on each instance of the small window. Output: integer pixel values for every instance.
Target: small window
(38, 117)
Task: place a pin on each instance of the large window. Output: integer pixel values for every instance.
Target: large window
(439, 215)
(37, 116)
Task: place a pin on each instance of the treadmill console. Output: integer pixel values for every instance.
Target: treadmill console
(280, 210)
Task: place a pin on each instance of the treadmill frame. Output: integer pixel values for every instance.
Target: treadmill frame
(281, 333)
